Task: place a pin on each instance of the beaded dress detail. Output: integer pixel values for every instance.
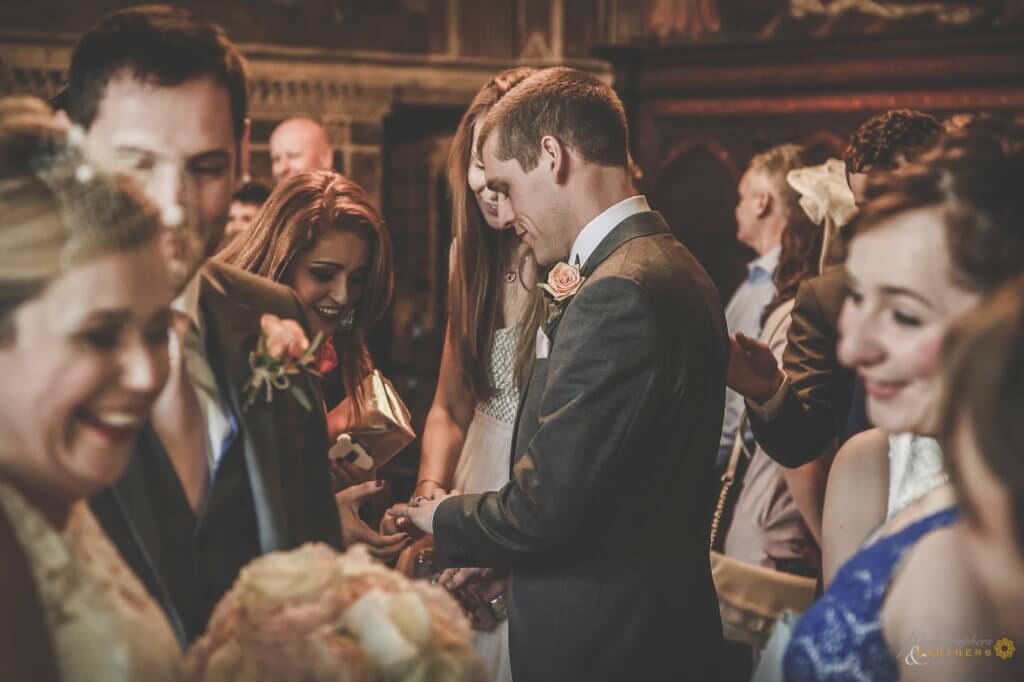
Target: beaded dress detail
(484, 466)
(104, 625)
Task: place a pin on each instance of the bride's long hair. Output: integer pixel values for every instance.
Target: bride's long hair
(474, 295)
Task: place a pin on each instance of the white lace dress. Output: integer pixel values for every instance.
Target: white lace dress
(484, 465)
(915, 468)
(104, 625)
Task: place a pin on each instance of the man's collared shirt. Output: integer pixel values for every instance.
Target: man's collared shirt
(743, 314)
(594, 232)
(219, 428)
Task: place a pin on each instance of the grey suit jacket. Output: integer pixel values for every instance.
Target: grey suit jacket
(605, 521)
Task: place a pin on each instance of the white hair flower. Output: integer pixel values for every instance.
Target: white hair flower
(825, 196)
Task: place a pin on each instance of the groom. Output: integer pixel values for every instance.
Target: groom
(605, 521)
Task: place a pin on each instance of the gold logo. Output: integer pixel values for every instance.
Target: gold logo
(1004, 648)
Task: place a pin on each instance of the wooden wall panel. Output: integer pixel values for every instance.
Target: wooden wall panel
(733, 100)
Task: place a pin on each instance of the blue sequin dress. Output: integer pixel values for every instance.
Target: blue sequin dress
(840, 638)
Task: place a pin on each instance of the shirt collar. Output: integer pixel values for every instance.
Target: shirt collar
(766, 263)
(187, 303)
(594, 232)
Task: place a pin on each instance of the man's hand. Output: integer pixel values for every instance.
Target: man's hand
(454, 579)
(420, 510)
(475, 588)
(753, 370)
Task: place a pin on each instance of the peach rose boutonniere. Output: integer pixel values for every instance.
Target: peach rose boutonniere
(283, 355)
(564, 281)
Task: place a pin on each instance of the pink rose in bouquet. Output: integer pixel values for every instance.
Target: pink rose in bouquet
(315, 615)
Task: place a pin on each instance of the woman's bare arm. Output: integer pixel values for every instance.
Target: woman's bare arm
(445, 429)
(856, 498)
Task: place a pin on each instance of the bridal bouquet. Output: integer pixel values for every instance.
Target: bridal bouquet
(315, 615)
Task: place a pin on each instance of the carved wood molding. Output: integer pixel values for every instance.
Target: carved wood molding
(332, 84)
(810, 66)
(991, 98)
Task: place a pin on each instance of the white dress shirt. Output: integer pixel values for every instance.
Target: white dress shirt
(200, 374)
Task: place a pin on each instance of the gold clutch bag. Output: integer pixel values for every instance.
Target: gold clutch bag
(383, 429)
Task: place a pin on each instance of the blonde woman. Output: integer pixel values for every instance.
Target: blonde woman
(84, 317)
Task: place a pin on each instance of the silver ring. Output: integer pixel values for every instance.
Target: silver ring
(499, 606)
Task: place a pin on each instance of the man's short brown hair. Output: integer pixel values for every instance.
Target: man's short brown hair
(576, 108)
(162, 45)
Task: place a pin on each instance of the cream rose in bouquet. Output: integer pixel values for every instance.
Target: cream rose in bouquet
(315, 615)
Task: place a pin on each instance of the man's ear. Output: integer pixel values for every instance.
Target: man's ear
(242, 162)
(555, 157)
(764, 204)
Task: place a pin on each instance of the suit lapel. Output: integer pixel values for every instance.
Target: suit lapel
(133, 497)
(515, 425)
(637, 225)
(230, 333)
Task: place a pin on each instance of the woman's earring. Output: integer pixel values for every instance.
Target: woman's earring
(347, 320)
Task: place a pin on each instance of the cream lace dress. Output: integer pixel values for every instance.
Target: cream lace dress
(484, 465)
(915, 468)
(104, 625)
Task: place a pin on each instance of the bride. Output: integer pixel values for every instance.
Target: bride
(84, 315)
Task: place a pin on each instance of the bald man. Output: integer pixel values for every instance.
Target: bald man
(298, 145)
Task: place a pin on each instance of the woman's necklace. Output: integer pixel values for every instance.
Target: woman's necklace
(515, 274)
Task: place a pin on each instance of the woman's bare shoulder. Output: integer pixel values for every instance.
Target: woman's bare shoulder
(865, 454)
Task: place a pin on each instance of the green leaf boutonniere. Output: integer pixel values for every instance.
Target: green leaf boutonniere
(564, 281)
(282, 355)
